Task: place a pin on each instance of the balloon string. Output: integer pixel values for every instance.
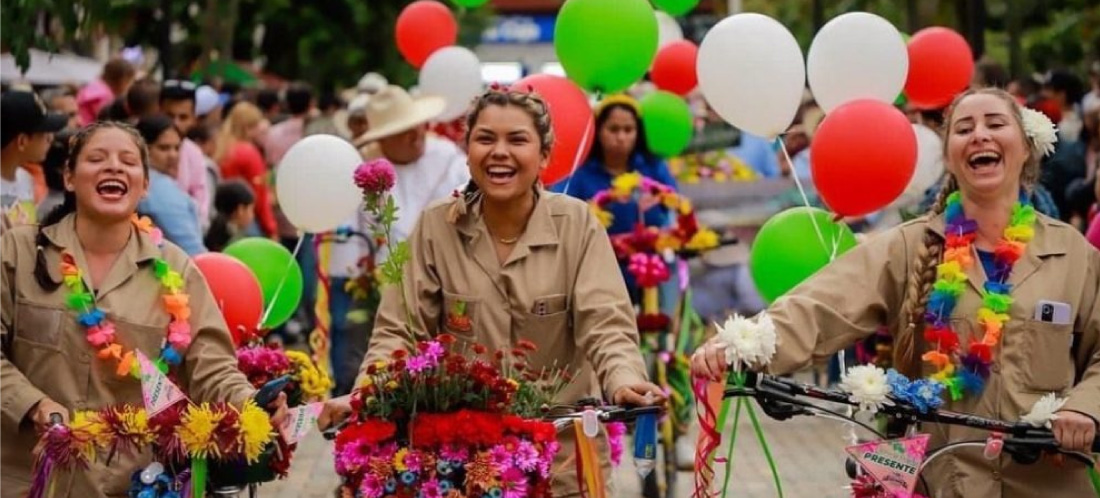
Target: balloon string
(577, 157)
(802, 192)
(282, 281)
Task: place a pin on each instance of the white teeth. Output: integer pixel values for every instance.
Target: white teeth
(977, 156)
(501, 171)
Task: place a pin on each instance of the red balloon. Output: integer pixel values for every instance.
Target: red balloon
(674, 68)
(940, 66)
(236, 290)
(571, 119)
(862, 156)
(422, 28)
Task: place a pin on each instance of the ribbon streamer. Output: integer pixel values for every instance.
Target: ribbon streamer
(588, 464)
(709, 439)
(319, 338)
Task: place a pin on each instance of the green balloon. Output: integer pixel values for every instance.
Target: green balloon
(787, 250)
(668, 123)
(270, 261)
(606, 45)
(470, 3)
(676, 8)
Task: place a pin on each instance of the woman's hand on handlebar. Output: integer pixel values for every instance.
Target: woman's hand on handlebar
(636, 395)
(1074, 431)
(709, 361)
(335, 411)
(40, 414)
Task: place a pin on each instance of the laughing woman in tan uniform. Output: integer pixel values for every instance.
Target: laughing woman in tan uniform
(525, 264)
(887, 280)
(49, 364)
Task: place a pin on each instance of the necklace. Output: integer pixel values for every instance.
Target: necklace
(510, 241)
(967, 371)
(100, 332)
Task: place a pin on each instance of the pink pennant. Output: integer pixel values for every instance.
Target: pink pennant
(158, 391)
(302, 420)
(894, 463)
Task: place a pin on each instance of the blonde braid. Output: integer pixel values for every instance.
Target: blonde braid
(919, 287)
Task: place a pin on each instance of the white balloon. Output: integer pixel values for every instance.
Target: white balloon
(453, 73)
(752, 73)
(315, 183)
(857, 56)
(668, 29)
(929, 168)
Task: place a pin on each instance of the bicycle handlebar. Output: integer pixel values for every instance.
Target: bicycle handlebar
(779, 399)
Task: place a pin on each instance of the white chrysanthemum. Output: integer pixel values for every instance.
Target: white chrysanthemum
(748, 343)
(1042, 412)
(1041, 131)
(867, 387)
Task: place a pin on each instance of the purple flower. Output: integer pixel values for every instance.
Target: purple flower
(526, 457)
(434, 351)
(375, 177)
(418, 364)
(514, 483)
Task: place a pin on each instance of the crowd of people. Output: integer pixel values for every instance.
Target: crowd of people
(200, 163)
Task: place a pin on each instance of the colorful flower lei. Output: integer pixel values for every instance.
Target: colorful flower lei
(718, 165)
(100, 331)
(967, 372)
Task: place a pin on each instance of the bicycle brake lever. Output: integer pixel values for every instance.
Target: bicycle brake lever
(780, 410)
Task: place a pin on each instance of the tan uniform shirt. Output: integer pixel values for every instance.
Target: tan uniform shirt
(560, 289)
(865, 288)
(45, 353)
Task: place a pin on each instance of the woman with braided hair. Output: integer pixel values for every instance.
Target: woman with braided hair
(506, 262)
(83, 294)
(1000, 303)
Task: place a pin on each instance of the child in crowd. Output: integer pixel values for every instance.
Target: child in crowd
(233, 205)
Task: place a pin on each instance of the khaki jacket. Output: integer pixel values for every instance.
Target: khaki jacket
(45, 353)
(865, 288)
(560, 289)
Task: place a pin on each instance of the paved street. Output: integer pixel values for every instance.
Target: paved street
(809, 453)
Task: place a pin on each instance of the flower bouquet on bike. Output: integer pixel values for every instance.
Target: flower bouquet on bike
(444, 419)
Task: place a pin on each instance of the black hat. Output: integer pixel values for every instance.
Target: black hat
(24, 113)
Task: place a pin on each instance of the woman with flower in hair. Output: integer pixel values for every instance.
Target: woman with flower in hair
(506, 264)
(85, 292)
(998, 304)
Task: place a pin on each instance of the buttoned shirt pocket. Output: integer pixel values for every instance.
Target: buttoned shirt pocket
(459, 314)
(1050, 365)
(37, 327)
(546, 324)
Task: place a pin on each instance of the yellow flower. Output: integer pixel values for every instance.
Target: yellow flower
(256, 430)
(605, 217)
(685, 206)
(197, 430)
(315, 383)
(90, 432)
(721, 177)
(399, 460)
(703, 239)
(667, 242)
(391, 385)
(625, 183)
(134, 426)
(513, 383)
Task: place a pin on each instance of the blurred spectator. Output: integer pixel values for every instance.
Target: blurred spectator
(177, 101)
(170, 208)
(1066, 90)
(203, 136)
(988, 72)
(1023, 88)
(279, 139)
(62, 100)
(325, 122)
(238, 156)
(27, 134)
(268, 102)
(234, 212)
(357, 117)
(1062, 91)
(53, 169)
(141, 100)
(118, 75)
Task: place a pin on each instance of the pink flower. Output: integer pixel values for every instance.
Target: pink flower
(514, 483)
(372, 487)
(434, 351)
(501, 458)
(526, 457)
(454, 452)
(546, 460)
(413, 461)
(417, 364)
(375, 177)
(615, 431)
(430, 489)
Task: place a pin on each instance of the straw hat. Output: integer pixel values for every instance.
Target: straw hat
(392, 111)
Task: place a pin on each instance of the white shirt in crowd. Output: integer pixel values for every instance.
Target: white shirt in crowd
(437, 174)
(17, 197)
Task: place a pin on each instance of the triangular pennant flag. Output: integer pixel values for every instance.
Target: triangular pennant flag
(158, 391)
(894, 463)
(302, 419)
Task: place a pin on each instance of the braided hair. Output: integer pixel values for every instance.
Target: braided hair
(927, 258)
(68, 206)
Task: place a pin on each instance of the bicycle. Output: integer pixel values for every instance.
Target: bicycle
(781, 399)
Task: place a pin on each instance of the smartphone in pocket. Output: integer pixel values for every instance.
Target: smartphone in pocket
(1053, 312)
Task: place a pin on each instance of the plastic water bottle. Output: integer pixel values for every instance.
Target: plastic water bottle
(645, 444)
